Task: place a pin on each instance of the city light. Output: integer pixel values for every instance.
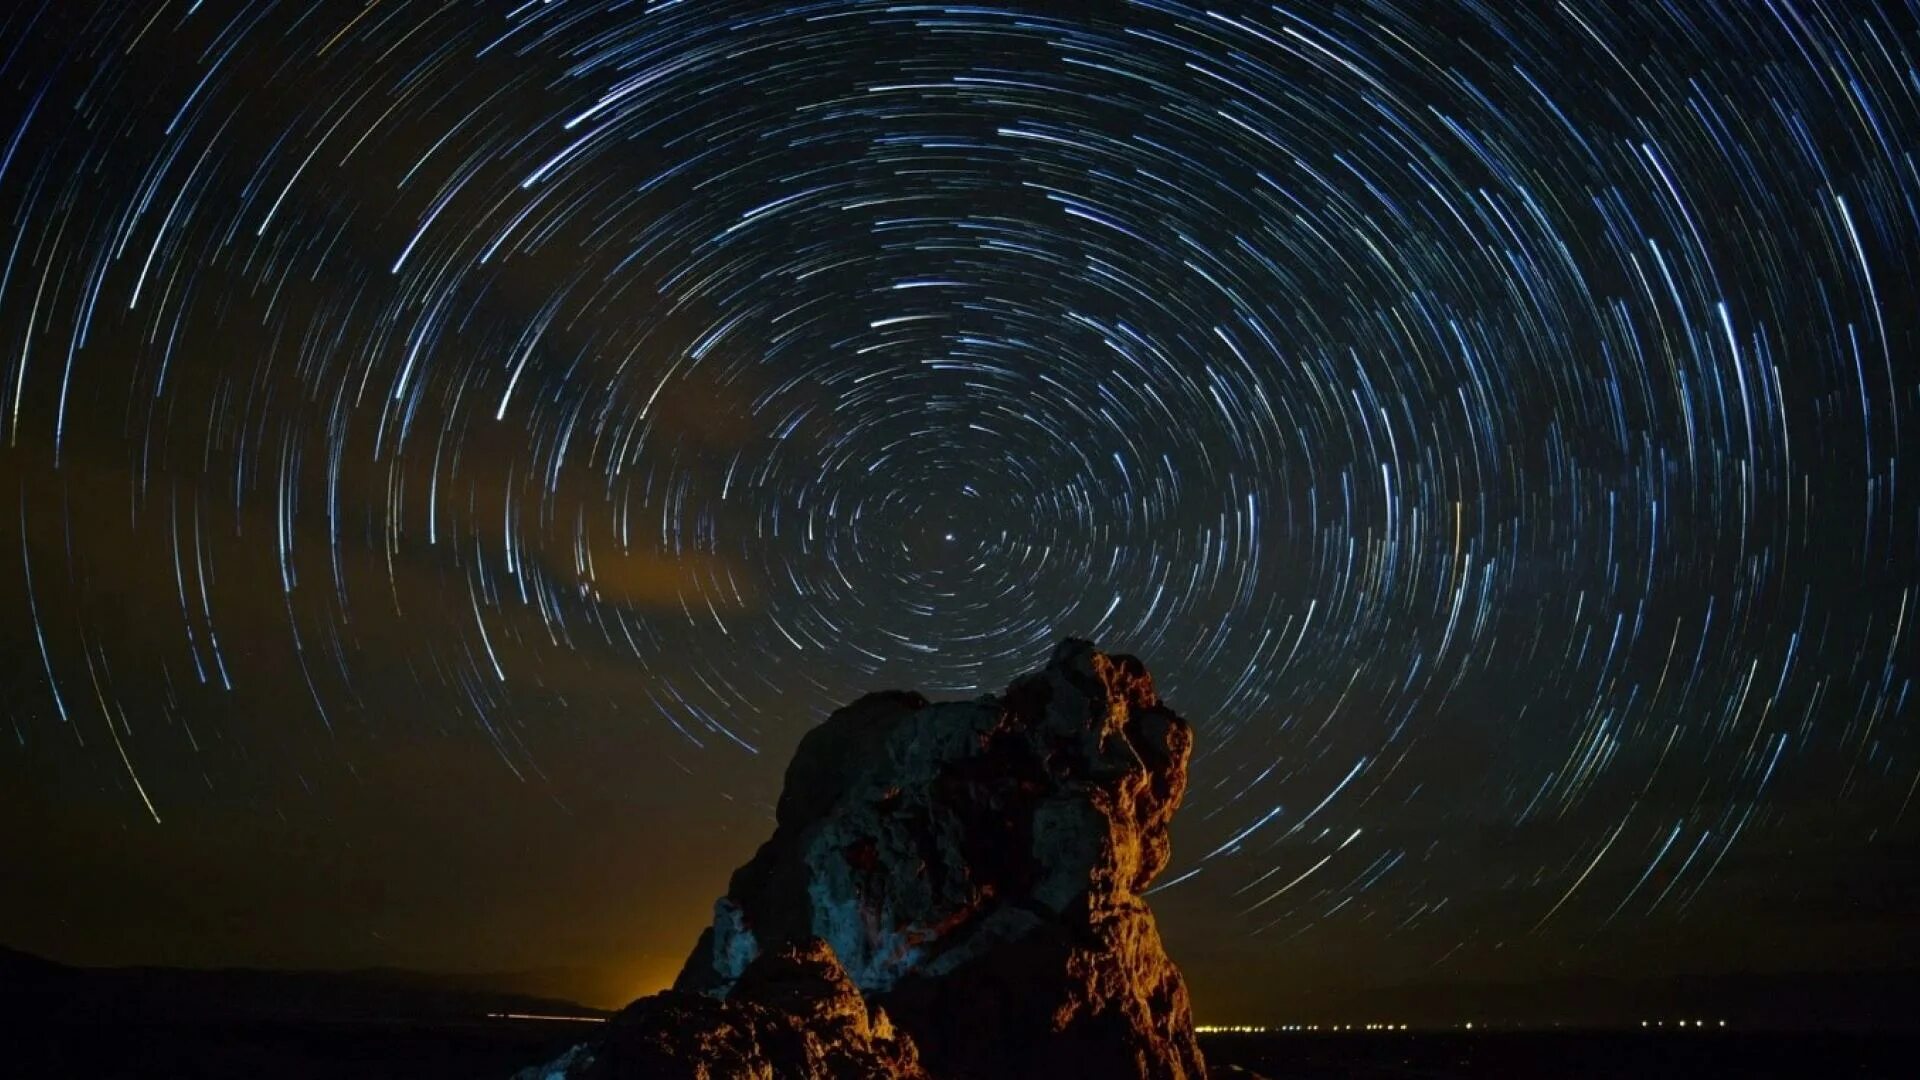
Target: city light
(1275, 1029)
(1378, 1026)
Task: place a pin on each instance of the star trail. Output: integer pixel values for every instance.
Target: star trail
(1495, 428)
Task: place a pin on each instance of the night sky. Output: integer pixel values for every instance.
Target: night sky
(450, 452)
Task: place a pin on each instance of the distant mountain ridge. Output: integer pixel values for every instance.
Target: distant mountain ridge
(1887, 1000)
(34, 985)
(1862, 1001)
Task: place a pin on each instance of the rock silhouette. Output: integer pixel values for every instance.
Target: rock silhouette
(952, 890)
(792, 1014)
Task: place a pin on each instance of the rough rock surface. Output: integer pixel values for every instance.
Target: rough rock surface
(976, 869)
(794, 1015)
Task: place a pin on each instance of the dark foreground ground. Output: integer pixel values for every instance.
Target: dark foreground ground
(1649, 1056)
(284, 1050)
(495, 1048)
(59, 1022)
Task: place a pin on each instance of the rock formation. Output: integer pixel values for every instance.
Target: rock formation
(951, 887)
(793, 1014)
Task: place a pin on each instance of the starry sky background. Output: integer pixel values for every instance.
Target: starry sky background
(450, 452)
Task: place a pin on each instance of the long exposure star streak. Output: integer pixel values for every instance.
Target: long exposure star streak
(1496, 429)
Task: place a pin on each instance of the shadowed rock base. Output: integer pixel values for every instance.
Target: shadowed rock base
(793, 1014)
(951, 890)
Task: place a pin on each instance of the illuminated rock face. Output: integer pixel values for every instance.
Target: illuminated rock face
(793, 1016)
(975, 869)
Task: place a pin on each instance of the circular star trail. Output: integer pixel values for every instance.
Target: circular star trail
(1495, 429)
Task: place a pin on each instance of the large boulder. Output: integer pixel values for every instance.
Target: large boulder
(793, 1015)
(976, 868)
